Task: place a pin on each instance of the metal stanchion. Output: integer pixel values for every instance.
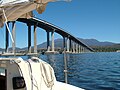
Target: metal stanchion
(65, 67)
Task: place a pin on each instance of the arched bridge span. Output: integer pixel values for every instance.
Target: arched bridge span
(77, 45)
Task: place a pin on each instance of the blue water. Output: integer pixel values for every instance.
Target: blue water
(91, 71)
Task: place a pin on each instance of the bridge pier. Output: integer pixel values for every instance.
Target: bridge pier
(52, 36)
(35, 39)
(86, 50)
(52, 49)
(79, 49)
(48, 41)
(83, 50)
(7, 40)
(14, 36)
(63, 42)
(76, 48)
(73, 47)
(29, 38)
(67, 44)
(70, 45)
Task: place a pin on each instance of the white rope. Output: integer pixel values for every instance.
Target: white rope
(48, 80)
(32, 77)
(7, 26)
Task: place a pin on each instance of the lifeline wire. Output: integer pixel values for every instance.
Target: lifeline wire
(7, 26)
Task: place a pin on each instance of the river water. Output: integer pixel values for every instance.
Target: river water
(91, 71)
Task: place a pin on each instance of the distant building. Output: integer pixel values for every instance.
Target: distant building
(118, 51)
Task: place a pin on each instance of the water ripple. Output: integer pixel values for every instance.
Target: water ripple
(91, 71)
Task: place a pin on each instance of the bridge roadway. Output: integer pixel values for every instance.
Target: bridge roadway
(74, 45)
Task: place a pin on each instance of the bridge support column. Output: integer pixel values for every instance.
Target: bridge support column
(86, 50)
(29, 38)
(79, 49)
(35, 39)
(63, 42)
(7, 40)
(48, 41)
(73, 47)
(52, 35)
(83, 49)
(76, 48)
(67, 44)
(14, 36)
(70, 45)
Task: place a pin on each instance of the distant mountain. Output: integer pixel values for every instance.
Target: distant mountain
(89, 42)
(58, 43)
(94, 42)
(15, 48)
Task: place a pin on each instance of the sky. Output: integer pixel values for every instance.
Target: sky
(88, 19)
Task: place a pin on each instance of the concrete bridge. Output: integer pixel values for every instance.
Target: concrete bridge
(73, 45)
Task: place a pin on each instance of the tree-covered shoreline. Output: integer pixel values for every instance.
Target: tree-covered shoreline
(112, 48)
